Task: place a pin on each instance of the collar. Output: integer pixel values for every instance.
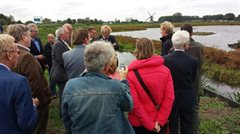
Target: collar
(90, 73)
(182, 50)
(20, 45)
(66, 44)
(5, 66)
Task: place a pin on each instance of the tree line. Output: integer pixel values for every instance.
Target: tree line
(178, 17)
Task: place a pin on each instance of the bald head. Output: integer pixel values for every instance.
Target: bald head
(51, 38)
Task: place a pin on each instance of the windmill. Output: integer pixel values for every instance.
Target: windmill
(150, 18)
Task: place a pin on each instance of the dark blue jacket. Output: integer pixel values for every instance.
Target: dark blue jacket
(34, 51)
(184, 70)
(17, 113)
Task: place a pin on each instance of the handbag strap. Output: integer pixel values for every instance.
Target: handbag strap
(145, 87)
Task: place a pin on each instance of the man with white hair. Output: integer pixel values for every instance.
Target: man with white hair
(184, 70)
(58, 73)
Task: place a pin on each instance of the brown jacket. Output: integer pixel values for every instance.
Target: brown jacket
(29, 67)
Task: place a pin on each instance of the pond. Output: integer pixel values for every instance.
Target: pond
(223, 36)
(220, 88)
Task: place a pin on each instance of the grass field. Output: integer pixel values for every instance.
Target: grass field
(215, 118)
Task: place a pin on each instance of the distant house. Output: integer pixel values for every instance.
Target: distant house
(37, 19)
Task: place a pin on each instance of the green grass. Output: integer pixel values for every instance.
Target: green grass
(55, 125)
(215, 118)
(222, 74)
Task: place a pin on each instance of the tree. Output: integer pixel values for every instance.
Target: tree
(177, 17)
(10, 19)
(229, 16)
(218, 17)
(238, 18)
(19, 22)
(68, 21)
(28, 22)
(46, 21)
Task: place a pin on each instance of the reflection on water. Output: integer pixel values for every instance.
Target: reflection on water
(125, 57)
(222, 89)
(223, 35)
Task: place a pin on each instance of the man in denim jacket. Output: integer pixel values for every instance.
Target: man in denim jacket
(94, 103)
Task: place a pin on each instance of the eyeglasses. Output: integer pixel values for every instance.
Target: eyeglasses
(34, 31)
(18, 51)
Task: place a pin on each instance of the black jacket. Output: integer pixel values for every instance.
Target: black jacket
(166, 44)
(183, 68)
(110, 39)
(47, 54)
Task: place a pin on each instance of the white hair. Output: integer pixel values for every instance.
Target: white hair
(97, 55)
(60, 31)
(180, 38)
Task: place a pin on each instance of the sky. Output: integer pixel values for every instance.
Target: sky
(110, 10)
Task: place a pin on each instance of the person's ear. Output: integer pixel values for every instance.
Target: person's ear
(186, 45)
(9, 57)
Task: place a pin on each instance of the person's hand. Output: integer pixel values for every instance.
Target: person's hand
(35, 101)
(157, 127)
(40, 57)
(123, 73)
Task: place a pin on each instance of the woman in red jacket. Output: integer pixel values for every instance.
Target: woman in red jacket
(145, 118)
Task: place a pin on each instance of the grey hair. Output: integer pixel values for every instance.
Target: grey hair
(17, 31)
(97, 55)
(31, 25)
(6, 43)
(180, 38)
(60, 31)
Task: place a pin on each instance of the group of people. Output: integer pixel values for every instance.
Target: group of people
(154, 90)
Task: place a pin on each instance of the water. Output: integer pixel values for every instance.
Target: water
(125, 58)
(223, 36)
(223, 89)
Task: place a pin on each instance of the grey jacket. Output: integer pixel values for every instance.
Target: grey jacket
(74, 62)
(58, 73)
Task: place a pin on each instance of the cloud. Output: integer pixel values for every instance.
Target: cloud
(110, 10)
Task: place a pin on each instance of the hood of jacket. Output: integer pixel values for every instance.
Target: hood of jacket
(155, 60)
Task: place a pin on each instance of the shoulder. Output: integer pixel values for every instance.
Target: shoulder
(111, 36)
(195, 43)
(168, 56)
(17, 77)
(192, 59)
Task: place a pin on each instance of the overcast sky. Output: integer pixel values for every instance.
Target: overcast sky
(108, 10)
